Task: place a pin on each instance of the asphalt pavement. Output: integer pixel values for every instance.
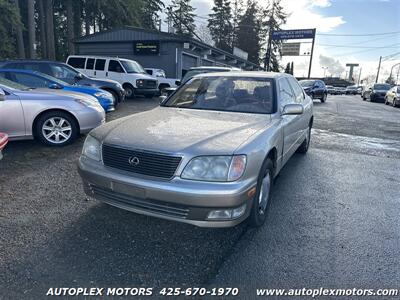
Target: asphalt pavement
(333, 221)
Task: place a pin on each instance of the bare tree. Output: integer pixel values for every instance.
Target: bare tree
(31, 28)
(20, 39)
(51, 51)
(42, 28)
(70, 27)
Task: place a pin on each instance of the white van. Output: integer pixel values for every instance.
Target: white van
(128, 72)
(163, 82)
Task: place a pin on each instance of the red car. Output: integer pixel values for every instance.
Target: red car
(3, 142)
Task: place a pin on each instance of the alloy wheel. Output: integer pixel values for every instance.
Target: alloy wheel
(56, 130)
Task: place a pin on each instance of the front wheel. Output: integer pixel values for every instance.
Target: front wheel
(262, 199)
(129, 91)
(394, 102)
(56, 128)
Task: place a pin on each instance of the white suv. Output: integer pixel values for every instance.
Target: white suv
(128, 72)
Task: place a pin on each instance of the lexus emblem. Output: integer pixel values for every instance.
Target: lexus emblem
(133, 161)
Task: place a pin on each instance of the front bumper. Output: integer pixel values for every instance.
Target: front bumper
(178, 200)
(143, 91)
(89, 118)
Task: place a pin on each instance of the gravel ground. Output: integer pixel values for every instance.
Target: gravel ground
(340, 210)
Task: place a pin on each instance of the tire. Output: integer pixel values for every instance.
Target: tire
(312, 96)
(363, 97)
(56, 128)
(394, 102)
(386, 102)
(259, 209)
(303, 148)
(129, 90)
(323, 99)
(115, 96)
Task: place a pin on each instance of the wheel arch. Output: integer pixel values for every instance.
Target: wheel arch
(35, 120)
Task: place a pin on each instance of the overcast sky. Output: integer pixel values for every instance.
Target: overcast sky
(338, 17)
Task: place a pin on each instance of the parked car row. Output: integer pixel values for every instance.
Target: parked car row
(383, 93)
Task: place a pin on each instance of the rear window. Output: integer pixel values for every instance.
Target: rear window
(100, 63)
(384, 87)
(77, 62)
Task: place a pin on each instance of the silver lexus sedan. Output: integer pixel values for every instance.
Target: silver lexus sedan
(53, 118)
(207, 155)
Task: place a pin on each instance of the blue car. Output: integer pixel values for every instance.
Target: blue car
(34, 79)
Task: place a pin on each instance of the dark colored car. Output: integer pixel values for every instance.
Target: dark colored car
(316, 89)
(376, 92)
(66, 73)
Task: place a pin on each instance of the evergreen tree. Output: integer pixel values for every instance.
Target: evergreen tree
(276, 18)
(237, 11)
(287, 69)
(9, 22)
(182, 14)
(220, 24)
(249, 33)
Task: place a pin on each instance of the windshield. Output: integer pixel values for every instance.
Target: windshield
(13, 85)
(307, 83)
(191, 73)
(235, 94)
(132, 67)
(384, 87)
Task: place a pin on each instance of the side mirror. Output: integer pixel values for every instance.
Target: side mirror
(178, 82)
(55, 86)
(292, 109)
(2, 95)
(79, 76)
(162, 98)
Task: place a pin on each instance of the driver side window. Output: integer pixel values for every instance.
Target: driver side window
(30, 80)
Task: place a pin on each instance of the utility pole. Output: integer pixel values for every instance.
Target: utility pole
(391, 70)
(379, 67)
(325, 68)
(311, 56)
(268, 54)
(359, 77)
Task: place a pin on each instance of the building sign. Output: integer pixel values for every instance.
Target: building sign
(240, 53)
(290, 49)
(293, 34)
(146, 47)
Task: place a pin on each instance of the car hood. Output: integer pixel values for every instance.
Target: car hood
(53, 94)
(174, 130)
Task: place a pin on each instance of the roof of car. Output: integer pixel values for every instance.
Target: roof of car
(214, 68)
(246, 74)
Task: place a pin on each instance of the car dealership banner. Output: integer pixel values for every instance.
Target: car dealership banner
(293, 34)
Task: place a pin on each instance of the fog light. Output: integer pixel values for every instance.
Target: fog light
(227, 214)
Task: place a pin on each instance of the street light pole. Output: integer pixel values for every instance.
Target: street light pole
(391, 71)
(359, 77)
(325, 68)
(379, 68)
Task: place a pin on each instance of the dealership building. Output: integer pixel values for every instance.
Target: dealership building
(154, 49)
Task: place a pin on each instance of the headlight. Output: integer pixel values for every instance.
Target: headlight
(92, 148)
(103, 95)
(86, 102)
(215, 168)
(140, 82)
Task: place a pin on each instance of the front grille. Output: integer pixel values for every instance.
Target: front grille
(140, 162)
(150, 84)
(161, 208)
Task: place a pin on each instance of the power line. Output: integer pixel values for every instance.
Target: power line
(365, 47)
(362, 51)
(365, 34)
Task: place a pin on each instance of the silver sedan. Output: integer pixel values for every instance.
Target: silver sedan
(55, 119)
(208, 155)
